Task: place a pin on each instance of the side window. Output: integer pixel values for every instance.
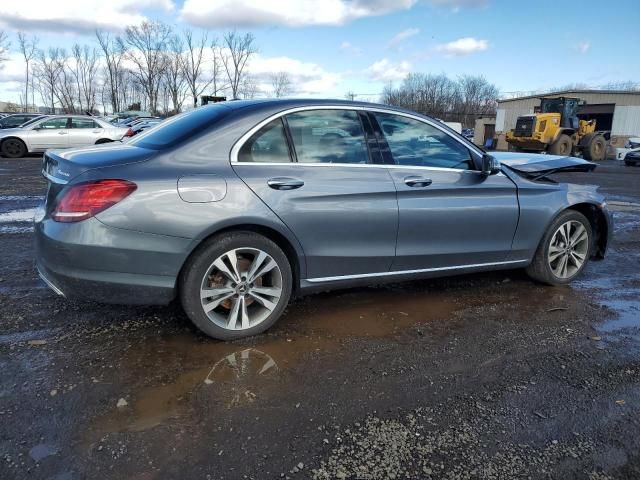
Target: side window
(419, 144)
(267, 145)
(328, 136)
(83, 123)
(54, 123)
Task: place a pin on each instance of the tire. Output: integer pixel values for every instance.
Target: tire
(548, 271)
(629, 163)
(562, 146)
(13, 148)
(209, 270)
(104, 140)
(512, 148)
(596, 149)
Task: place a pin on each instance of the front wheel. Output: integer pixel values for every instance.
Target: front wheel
(563, 251)
(562, 146)
(236, 285)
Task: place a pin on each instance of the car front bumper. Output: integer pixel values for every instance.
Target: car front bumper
(91, 261)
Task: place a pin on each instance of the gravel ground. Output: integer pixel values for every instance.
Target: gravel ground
(482, 376)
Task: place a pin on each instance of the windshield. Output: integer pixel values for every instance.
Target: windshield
(551, 106)
(30, 121)
(174, 130)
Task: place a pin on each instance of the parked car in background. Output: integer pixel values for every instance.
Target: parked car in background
(58, 131)
(17, 119)
(144, 124)
(468, 133)
(630, 154)
(236, 207)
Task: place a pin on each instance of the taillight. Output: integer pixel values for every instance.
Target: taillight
(129, 132)
(87, 199)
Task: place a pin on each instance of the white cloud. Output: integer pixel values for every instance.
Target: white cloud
(402, 36)
(387, 71)
(292, 13)
(350, 48)
(583, 47)
(307, 78)
(77, 16)
(462, 46)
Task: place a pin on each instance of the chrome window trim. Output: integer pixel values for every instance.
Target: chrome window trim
(409, 272)
(241, 141)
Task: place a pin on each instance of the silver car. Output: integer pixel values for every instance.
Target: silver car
(59, 131)
(236, 207)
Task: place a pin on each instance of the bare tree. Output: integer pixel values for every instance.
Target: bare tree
(217, 75)
(146, 45)
(113, 55)
(47, 72)
(281, 84)
(84, 70)
(193, 64)
(238, 50)
(4, 47)
(28, 48)
(174, 74)
(249, 87)
(463, 100)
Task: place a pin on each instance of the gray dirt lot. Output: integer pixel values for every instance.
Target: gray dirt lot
(480, 376)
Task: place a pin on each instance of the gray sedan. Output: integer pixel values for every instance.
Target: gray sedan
(235, 208)
(59, 131)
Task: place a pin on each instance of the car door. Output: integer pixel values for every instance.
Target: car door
(450, 213)
(342, 209)
(84, 131)
(51, 133)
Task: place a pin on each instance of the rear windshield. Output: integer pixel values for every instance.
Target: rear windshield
(174, 130)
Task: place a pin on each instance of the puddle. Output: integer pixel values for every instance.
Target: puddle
(183, 371)
(627, 315)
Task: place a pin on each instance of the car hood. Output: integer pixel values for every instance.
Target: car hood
(537, 165)
(63, 165)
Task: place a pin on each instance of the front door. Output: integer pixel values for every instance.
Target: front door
(342, 209)
(52, 133)
(450, 214)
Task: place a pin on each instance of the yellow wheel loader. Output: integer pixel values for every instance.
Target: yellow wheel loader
(558, 130)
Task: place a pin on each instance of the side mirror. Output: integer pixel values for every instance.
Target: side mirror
(490, 165)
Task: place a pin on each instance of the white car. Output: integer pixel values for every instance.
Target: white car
(59, 131)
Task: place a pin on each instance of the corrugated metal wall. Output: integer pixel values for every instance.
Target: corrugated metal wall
(626, 120)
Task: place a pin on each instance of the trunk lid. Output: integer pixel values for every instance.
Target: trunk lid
(61, 166)
(535, 165)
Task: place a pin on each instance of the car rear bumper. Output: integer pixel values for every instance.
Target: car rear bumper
(91, 261)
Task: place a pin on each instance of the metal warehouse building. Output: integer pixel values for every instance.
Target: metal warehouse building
(617, 111)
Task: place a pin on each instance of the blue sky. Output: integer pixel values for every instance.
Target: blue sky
(335, 46)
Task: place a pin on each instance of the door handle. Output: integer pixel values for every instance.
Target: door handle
(417, 181)
(62, 133)
(284, 183)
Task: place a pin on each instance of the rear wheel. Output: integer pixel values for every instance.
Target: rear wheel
(236, 285)
(13, 148)
(562, 146)
(596, 149)
(629, 163)
(563, 251)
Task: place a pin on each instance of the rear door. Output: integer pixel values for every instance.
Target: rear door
(342, 209)
(450, 214)
(51, 133)
(84, 131)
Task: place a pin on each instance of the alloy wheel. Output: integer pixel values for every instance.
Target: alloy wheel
(241, 288)
(568, 249)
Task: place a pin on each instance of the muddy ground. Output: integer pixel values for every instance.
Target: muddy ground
(481, 376)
